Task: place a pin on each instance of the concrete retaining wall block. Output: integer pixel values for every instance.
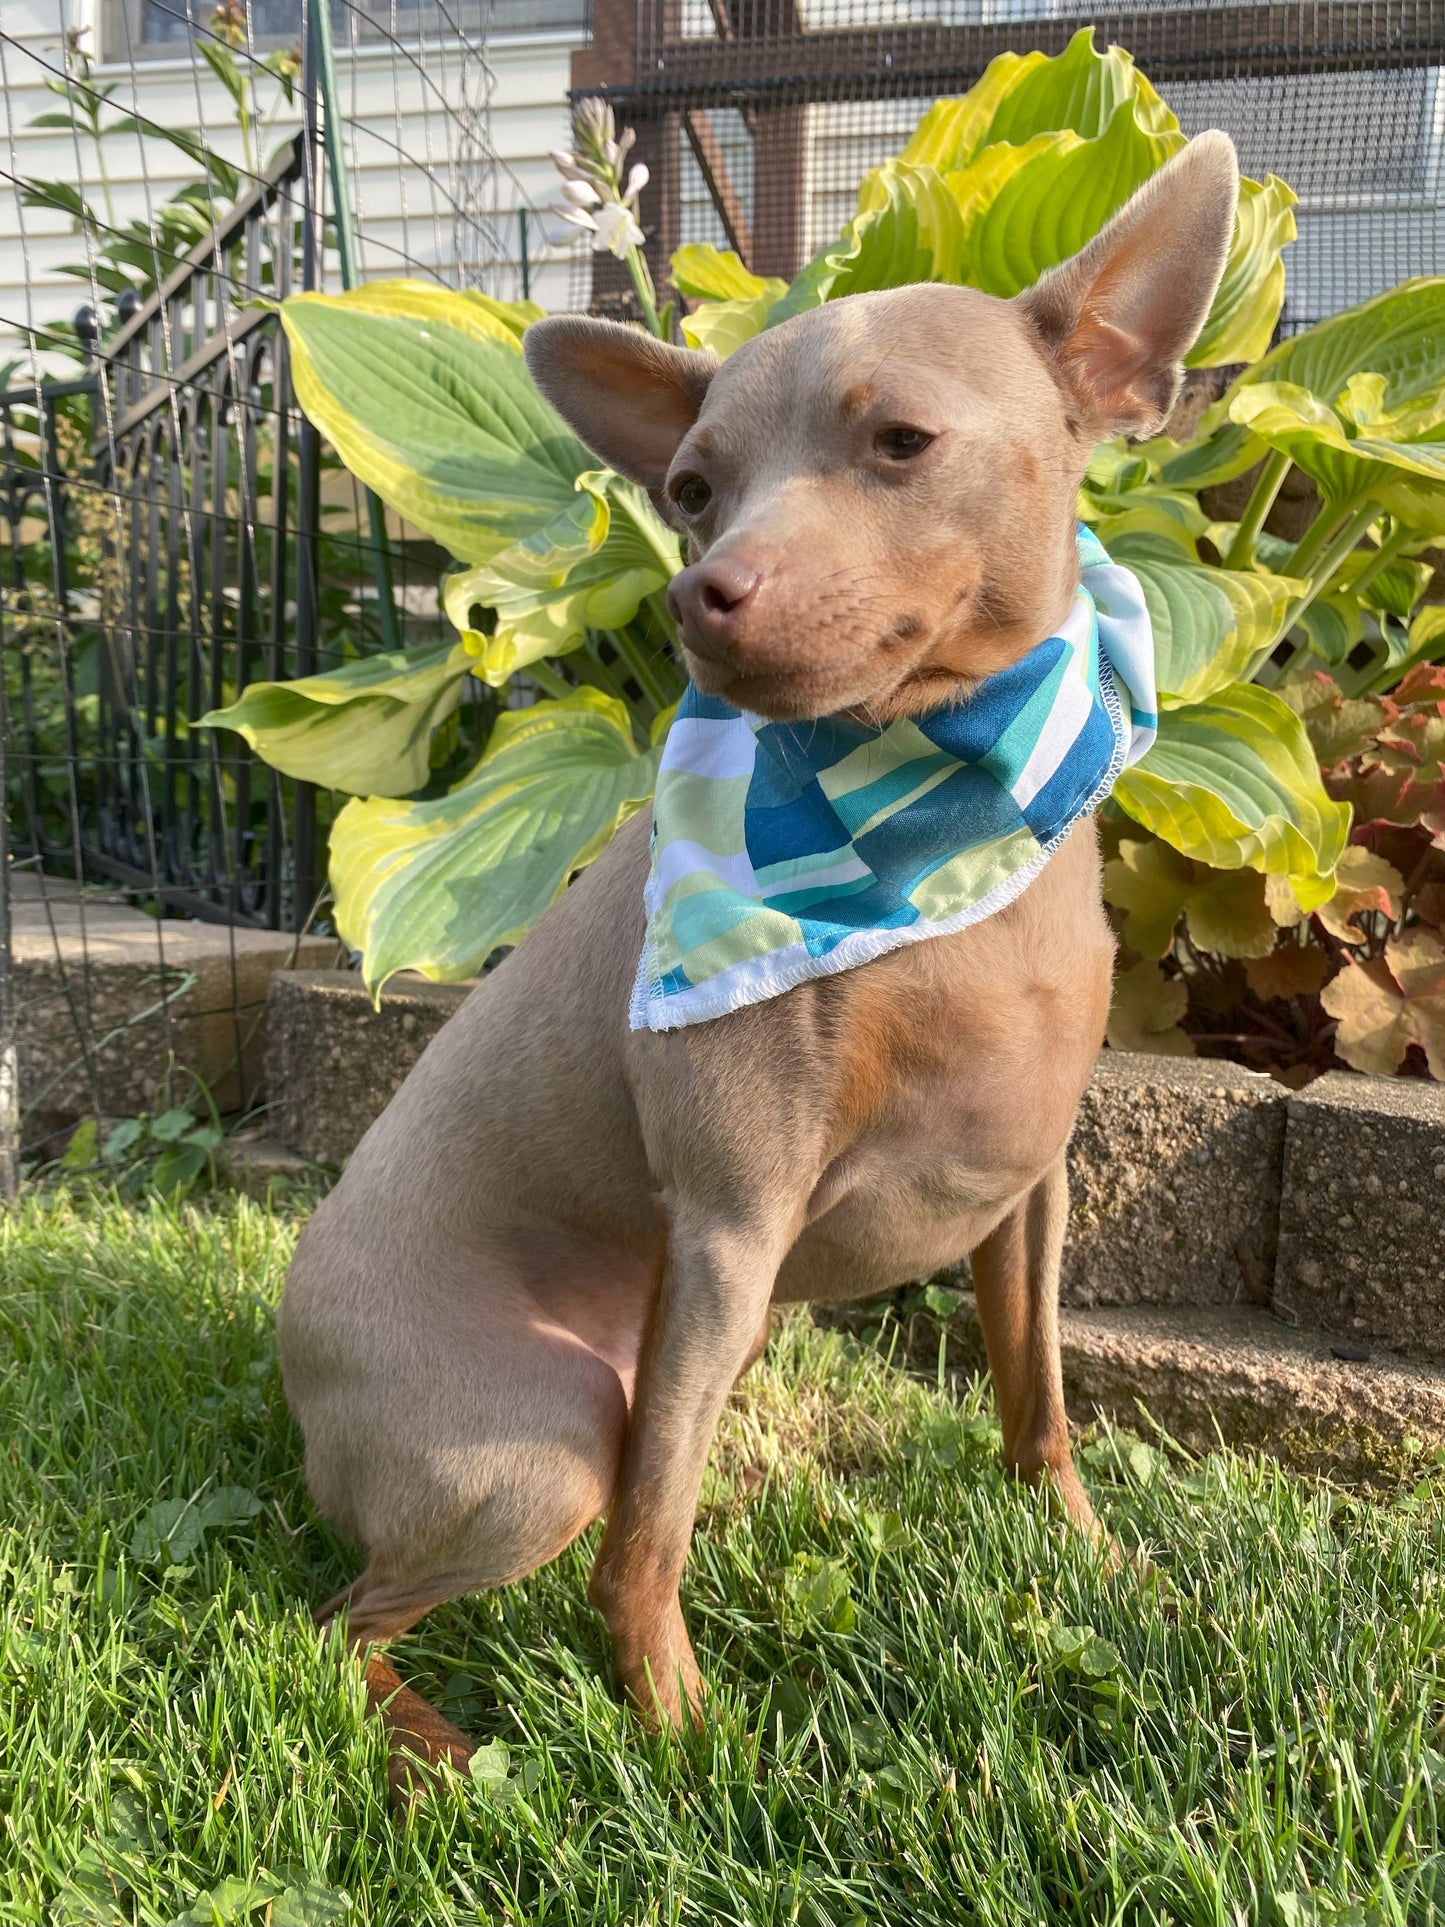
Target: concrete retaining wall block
(334, 1064)
(1362, 1227)
(1174, 1184)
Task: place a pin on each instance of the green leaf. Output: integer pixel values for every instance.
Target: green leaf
(721, 327)
(714, 274)
(179, 1165)
(220, 173)
(121, 1137)
(491, 1764)
(437, 886)
(885, 1532)
(1333, 625)
(1210, 625)
(168, 1534)
(1399, 335)
(1022, 95)
(424, 395)
(1222, 451)
(816, 1593)
(226, 1505)
(1028, 208)
(222, 64)
(952, 132)
(1081, 89)
(365, 728)
(1403, 476)
(83, 1146)
(1251, 290)
(588, 568)
(171, 1125)
(1233, 782)
(909, 228)
(311, 1906)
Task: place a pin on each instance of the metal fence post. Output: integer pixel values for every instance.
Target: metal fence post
(9, 1050)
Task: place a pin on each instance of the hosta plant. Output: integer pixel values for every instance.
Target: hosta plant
(557, 597)
(1220, 960)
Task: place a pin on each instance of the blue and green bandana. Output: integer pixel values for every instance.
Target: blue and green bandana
(782, 851)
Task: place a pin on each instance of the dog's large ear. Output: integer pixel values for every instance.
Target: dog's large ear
(1119, 317)
(630, 397)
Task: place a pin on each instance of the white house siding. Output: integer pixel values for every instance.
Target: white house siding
(409, 159)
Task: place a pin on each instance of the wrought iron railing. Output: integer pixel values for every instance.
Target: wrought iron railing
(162, 518)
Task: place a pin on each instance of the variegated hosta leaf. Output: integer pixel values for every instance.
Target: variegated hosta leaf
(995, 224)
(588, 568)
(1251, 290)
(1233, 782)
(721, 327)
(1021, 95)
(1333, 625)
(424, 395)
(1028, 213)
(365, 728)
(1168, 515)
(908, 228)
(706, 273)
(1399, 335)
(1221, 451)
(437, 886)
(1351, 463)
(1211, 626)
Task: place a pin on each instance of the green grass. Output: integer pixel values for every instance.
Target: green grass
(929, 1705)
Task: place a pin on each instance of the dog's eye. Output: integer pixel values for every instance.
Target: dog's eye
(691, 494)
(899, 443)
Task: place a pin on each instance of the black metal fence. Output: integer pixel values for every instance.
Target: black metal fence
(162, 516)
(172, 528)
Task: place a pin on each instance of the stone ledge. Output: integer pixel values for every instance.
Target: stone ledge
(111, 1004)
(1174, 1184)
(1362, 1225)
(1215, 1372)
(334, 1063)
(1239, 1374)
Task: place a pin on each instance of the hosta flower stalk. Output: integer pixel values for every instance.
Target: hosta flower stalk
(596, 197)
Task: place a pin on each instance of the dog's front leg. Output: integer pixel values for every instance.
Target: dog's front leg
(715, 1287)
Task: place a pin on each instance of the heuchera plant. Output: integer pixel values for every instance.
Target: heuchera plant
(1225, 842)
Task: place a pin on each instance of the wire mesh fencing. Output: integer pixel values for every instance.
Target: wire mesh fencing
(173, 528)
(759, 118)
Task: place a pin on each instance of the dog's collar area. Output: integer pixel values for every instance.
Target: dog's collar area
(784, 851)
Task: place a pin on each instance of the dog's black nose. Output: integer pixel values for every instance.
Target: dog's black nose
(708, 600)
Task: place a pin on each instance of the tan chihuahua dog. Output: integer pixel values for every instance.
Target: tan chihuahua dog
(487, 1339)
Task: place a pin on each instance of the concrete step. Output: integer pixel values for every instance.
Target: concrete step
(1316, 1401)
(1223, 1374)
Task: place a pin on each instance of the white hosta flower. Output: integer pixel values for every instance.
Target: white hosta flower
(581, 194)
(637, 179)
(616, 229)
